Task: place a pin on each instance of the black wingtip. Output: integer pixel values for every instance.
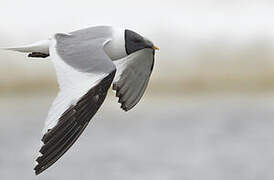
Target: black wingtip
(37, 173)
(37, 170)
(71, 125)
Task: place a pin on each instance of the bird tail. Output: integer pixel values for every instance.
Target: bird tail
(41, 47)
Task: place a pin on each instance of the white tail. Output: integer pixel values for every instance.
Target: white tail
(41, 46)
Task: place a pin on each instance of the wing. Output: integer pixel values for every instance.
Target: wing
(132, 77)
(83, 88)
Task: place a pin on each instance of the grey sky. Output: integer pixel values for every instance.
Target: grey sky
(182, 29)
(31, 19)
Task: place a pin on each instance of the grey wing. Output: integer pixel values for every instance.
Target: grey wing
(84, 49)
(83, 89)
(132, 77)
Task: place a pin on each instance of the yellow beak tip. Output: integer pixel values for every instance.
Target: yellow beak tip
(155, 48)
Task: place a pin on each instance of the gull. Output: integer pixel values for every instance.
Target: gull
(87, 62)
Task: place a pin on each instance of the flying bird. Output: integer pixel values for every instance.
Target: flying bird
(87, 62)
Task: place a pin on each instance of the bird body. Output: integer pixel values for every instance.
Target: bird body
(87, 62)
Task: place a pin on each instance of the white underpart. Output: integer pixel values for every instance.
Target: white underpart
(73, 85)
(115, 48)
(41, 46)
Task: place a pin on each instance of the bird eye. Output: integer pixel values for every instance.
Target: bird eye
(137, 40)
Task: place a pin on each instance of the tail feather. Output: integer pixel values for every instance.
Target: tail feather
(41, 47)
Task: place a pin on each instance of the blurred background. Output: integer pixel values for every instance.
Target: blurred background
(208, 112)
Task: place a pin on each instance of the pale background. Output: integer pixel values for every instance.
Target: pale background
(208, 112)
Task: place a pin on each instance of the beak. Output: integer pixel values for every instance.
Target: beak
(155, 48)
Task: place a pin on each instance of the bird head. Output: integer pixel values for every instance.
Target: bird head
(135, 42)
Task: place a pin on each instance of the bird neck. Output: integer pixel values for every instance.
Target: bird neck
(115, 48)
